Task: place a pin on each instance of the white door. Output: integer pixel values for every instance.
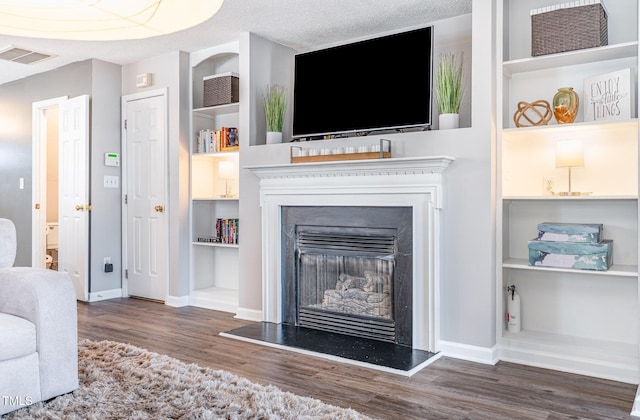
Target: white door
(73, 202)
(145, 137)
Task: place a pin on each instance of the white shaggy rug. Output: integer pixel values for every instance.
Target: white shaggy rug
(121, 381)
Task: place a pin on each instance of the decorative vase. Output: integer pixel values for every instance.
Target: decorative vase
(565, 105)
(274, 137)
(448, 121)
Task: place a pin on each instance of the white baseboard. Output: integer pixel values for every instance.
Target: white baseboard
(635, 410)
(485, 355)
(248, 314)
(177, 301)
(104, 295)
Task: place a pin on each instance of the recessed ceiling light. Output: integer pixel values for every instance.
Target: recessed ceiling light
(102, 19)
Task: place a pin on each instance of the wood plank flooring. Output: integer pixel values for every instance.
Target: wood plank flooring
(447, 389)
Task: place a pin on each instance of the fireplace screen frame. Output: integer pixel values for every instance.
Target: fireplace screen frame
(397, 219)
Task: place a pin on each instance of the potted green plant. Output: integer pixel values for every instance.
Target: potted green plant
(449, 91)
(275, 104)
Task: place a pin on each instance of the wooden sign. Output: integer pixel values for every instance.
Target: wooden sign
(608, 97)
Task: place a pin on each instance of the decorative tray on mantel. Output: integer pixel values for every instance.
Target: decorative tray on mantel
(301, 154)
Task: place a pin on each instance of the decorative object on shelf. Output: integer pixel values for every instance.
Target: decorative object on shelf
(513, 310)
(375, 151)
(565, 105)
(226, 171)
(450, 90)
(275, 104)
(584, 256)
(570, 154)
(540, 109)
(608, 97)
(570, 232)
(568, 27)
(221, 89)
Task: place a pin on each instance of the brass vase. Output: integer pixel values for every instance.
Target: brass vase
(565, 105)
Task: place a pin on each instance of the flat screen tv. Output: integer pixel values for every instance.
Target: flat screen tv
(375, 84)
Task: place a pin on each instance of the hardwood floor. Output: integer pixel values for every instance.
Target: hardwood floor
(447, 389)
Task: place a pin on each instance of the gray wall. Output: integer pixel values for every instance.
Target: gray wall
(106, 214)
(101, 81)
(15, 140)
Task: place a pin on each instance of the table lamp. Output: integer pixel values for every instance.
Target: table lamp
(570, 154)
(226, 171)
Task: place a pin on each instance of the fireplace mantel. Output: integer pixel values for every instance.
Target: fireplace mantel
(393, 166)
(414, 182)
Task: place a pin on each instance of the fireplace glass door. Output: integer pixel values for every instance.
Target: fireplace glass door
(345, 282)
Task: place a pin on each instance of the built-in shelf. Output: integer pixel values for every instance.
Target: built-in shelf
(572, 198)
(615, 360)
(212, 111)
(216, 298)
(569, 317)
(585, 56)
(215, 198)
(614, 270)
(543, 129)
(215, 244)
(216, 154)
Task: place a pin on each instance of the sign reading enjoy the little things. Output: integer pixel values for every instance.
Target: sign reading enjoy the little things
(608, 97)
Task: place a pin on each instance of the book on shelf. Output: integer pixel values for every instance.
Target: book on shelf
(212, 141)
(227, 231)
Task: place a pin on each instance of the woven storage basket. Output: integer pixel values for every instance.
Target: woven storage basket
(221, 89)
(568, 28)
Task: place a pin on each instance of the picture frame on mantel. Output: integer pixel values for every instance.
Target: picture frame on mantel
(608, 97)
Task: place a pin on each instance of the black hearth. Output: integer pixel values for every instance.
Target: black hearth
(348, 270)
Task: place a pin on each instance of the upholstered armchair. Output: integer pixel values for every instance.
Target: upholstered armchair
(38, 330)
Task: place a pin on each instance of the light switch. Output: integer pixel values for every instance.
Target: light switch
(111, 181)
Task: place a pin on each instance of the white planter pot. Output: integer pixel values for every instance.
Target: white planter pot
(448, 121)
(274, 137)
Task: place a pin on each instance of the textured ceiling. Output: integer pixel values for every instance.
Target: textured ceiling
(299, 24)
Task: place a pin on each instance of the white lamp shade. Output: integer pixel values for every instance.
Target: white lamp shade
(226, 170)
(97, 20)
(569, 153)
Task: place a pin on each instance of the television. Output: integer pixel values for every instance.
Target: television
(376, 84)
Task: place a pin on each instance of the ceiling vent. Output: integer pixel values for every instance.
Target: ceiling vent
(21, 55)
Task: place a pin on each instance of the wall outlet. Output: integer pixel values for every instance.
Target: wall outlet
(549, 185)
(108, 267)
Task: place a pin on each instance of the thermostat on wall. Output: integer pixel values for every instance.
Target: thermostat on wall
(112, 159)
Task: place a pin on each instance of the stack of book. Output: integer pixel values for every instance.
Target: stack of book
(227, 231)
(212, 141)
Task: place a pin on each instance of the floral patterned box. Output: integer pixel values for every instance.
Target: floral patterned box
(570, 232)
(583, 256)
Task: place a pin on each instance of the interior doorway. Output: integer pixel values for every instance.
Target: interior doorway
(45, 130)
(60, 218)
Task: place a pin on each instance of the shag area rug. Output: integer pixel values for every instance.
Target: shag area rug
(121, 381)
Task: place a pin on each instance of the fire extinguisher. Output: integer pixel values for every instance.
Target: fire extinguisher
(513, 310)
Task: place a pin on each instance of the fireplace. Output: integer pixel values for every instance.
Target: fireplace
(348, 270)
(304, 205)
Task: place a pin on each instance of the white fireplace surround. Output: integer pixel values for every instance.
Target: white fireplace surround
(414, 182)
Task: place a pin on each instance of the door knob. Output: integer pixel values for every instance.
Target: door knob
(159, 209)
(79, 207)
(37, 206)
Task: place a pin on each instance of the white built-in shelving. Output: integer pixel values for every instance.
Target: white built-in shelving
(214, 266)
(572, 320)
